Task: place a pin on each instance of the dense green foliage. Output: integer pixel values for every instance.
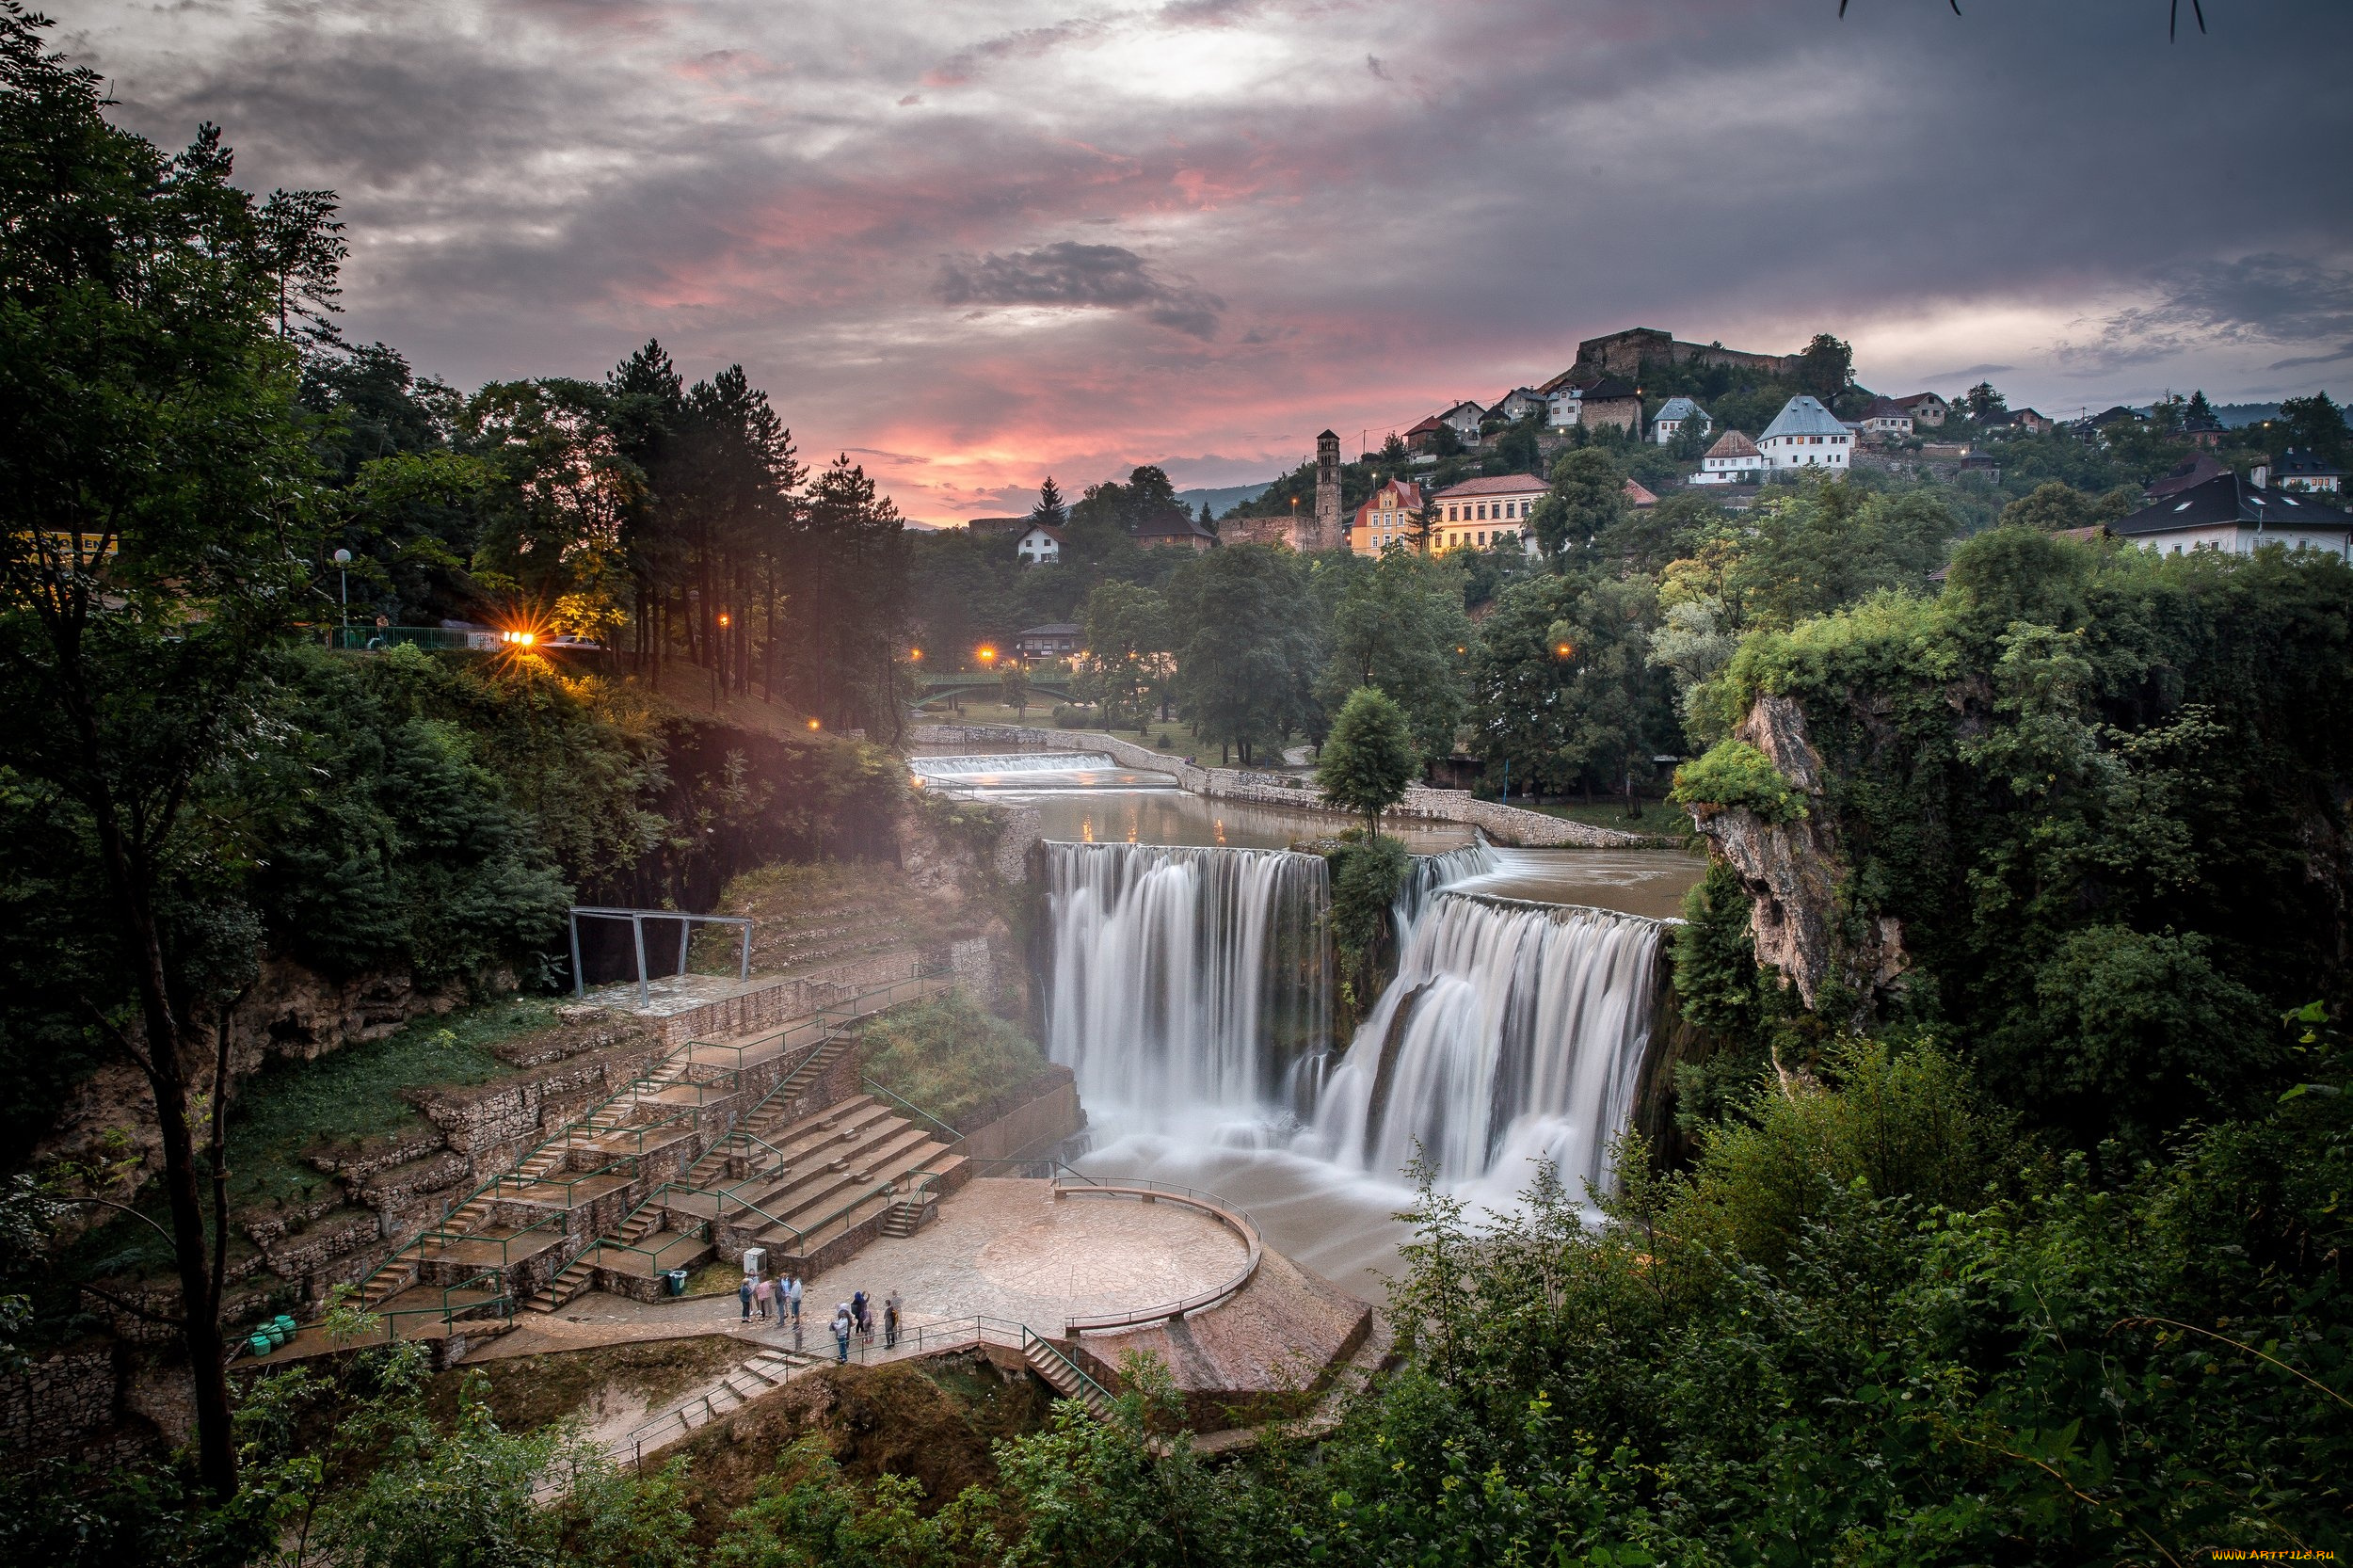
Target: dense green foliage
(1369, 759)
(2100, 790)
(949, 1056)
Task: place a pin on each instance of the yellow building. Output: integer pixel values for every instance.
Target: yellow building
(1478, 514)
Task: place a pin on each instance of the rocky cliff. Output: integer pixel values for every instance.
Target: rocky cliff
(1793, 869)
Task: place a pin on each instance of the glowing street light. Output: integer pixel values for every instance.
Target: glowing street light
(812, 724)
(916, 654)
(989, 654)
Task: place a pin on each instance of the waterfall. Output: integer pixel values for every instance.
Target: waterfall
(1184, 979)
(1025, 762)
(1426, 873)
(1513, 1031)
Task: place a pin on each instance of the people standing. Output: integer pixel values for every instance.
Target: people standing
(842, 1322)
(794, 1292)
(764, 1299)
(891, 1320)
(744, 1295)
(857, 1315)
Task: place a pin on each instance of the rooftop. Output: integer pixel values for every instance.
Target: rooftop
(1680, 407)
(1732, 443)
(2227, 499)
(1501, 484)
(1804, 416)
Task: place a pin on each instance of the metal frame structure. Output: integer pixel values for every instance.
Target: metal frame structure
(637, 918)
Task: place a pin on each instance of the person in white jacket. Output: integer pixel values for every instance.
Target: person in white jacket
(843, 1325)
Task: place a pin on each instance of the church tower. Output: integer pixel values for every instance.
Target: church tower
(1329, 533)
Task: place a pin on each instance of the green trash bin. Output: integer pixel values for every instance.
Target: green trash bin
(260, 1344)
(673, 1281)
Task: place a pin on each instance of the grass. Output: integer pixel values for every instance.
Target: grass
(948, 1055)
(351, 1095)
(1660, 819)
(822, 913)
(357, 1094)
(527, 1392)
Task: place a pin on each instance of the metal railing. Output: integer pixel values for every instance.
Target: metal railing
(935, 1337)
(1209, 1202)
(505, 1244)
(1032, 1342)
(951, 1135)
(508, 1187)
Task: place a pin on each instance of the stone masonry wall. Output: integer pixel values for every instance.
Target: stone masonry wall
(1508, 825)
(48, 1406)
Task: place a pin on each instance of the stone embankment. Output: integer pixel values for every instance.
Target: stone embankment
(1505, 825)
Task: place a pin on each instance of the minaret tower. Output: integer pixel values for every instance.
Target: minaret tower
(1328, 532)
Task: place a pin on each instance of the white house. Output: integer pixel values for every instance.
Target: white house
(1805, 435)
(1733, 460)
(1040, 546)
(1887, 417)
(2236, 515)
(2304, 470)
(1463, 417)
(1479, 513)
(1674, 415)
(1519, 403)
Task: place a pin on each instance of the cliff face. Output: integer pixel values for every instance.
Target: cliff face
(290, 1012)
(1796, 875)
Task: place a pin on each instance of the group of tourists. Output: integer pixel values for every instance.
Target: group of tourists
(856, 1317)
(767, 1297)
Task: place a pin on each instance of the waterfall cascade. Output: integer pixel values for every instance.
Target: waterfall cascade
(1513, 1032)
(1188, 984)
(1184, 980)
(1022, 761)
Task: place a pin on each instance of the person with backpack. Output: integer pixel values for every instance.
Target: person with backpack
(891, 1320)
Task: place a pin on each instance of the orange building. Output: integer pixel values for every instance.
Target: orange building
(1389, 518)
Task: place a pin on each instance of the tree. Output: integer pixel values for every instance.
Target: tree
(2315, 425)
(1982, 401)
(1013, 687)
(1368, 760)
(1127, 638)
(1049, 512)
(158, 521)
(1826, 366)
(1246, 658)
(1397, 626)
(2052, 507)
(1588, 495)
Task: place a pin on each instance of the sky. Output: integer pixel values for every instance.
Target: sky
(971, 243)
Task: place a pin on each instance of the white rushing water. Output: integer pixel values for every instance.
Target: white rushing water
(1513, 1033)
(1188, 989)
(1010, 762)
(1182, 981)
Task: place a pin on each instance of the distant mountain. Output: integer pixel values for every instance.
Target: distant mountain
(2233, 415)
(1222, 501)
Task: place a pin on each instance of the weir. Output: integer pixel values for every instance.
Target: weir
(1009, 762)
(1189, 988)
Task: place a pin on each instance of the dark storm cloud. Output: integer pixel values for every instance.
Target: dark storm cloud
(1065, 273)
(1390, 205)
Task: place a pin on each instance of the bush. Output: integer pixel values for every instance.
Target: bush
(1734, 774)
(949, 1056)
(1067, 717)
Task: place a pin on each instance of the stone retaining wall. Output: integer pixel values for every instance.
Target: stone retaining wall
(1507, 824)
(48, 1406)
(786, 1000)
(1037, 1115)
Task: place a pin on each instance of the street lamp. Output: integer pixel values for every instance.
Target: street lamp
(342, 583)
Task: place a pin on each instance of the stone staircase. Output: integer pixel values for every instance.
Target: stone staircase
(762, 1120)
(729, 1392)
(909, 1215)
(821, 1179)
(1062, 1375)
